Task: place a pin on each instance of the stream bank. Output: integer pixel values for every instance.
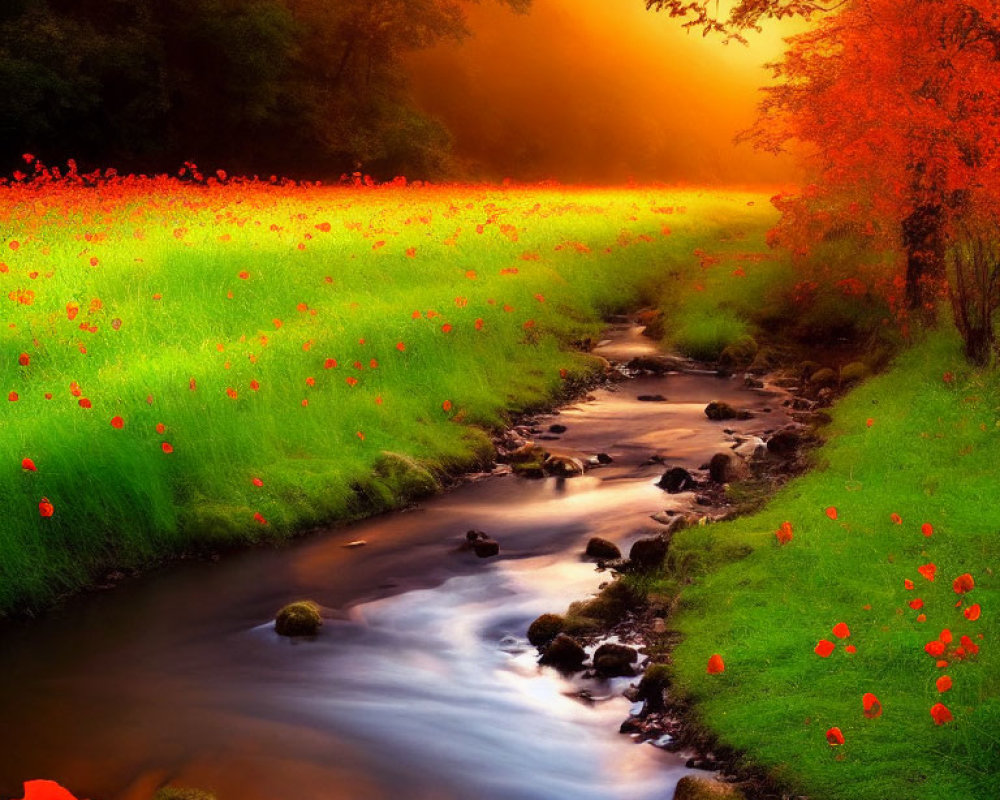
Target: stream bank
(421, 680)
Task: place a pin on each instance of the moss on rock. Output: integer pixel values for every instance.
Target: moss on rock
(301, 618)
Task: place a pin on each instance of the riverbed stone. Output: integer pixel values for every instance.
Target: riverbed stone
(728, 467)
(485, 548)
(740, 352)
(823, 379)
(528, 469)
(657, 364)
(301, 618)
(544, 629)
(785, 442)
(612, 660)
(649, 553)
(675, 480)
(564, 653)
(606, 608)
(655, 681)
(719, 411)
(691, 787)
(603, 549)
(182, 793)
(563, 466)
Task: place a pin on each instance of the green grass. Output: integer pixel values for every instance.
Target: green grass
(929, 456)
(325, 275)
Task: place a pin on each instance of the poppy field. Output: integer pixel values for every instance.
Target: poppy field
(844, 637)
(196, 362)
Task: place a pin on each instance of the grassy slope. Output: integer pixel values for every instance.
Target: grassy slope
(165, 304)
(929, 456)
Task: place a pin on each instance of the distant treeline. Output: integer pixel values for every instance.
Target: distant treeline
(295, 87)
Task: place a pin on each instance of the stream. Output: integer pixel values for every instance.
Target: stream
(421, 684)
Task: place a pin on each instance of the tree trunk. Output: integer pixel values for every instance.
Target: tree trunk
(923, 243)
(979, 345)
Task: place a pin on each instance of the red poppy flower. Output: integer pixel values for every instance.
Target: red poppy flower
(330, 363)
(231, 392)
(360, 435)
(84, 402)
(927, 570)
(352, 381)
(400, 347)
(715, 665)
(927, 529)
(831, 512)
(259, 518)
(948, 377)
(921, 618)
(972, 612)
(45, 790)
(935, 648)
(28, 464)
(446, 405)
(45, 508)
(824, 648)
(907, 584)
(945, 636)
(470, 274)
(13, 397)
(411, 252)
(963, 583)
(916, 604)
(970, 646)
(310, 381)
(943, 684)
(257, 482)
(24, 359)
(446, 328)
(835, 737)
(871, 705)
(940, 714)
(254, 385)
(898, 520)
(479, 324)
(117, 422)
(784, 533)
(192, 384)
(869, 422)
(244, 275)
(167, 447)
(841, 631)
(416, 315)
(851, 649)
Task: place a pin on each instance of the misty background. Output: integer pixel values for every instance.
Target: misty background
(597, 91)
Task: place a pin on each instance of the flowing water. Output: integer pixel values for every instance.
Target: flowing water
(421, 684)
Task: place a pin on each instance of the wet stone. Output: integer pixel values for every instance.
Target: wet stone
(564, 653)
(603, 549)
(557, 429)
(612, 660)
(648, 553)
(675, 480)
(652, 398)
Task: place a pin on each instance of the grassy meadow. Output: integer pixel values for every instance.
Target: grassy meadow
(898, 507)
(193, 366)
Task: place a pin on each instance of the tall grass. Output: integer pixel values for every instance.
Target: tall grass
(208, 318)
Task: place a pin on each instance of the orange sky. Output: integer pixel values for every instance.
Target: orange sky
(598, 90)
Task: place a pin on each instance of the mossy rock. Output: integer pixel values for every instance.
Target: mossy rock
(182, 793)
(544, 629)
(301, 618)
(406, 477)
(766, 360)
(692, 788)
(739, 353)
(807, 368)
(654, 682)
(564, 653)
(529, 469)
(853, 373)
(608, 607)
(823, 378)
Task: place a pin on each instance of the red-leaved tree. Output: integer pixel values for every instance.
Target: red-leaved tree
(897, 106)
